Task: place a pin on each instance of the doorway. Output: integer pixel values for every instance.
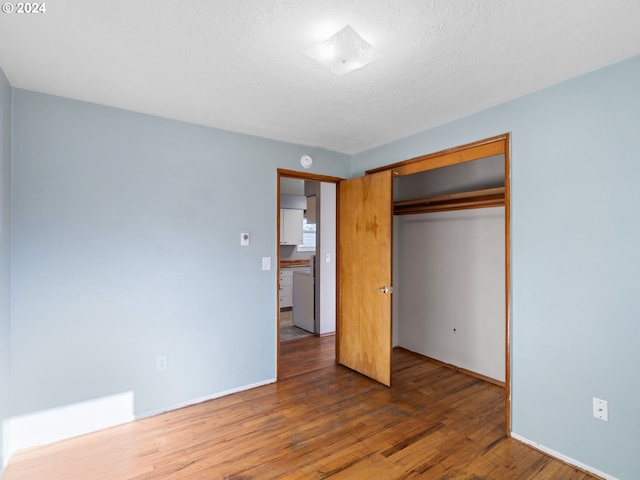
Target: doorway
(306, 226)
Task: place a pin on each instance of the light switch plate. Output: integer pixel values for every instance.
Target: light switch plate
(266, 263)
(161, 363)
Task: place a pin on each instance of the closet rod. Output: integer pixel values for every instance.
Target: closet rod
(491, 197)
(452, 196)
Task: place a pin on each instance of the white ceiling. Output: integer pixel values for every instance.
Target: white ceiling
(239, 64)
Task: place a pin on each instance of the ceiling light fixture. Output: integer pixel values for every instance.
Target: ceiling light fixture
(343, 52)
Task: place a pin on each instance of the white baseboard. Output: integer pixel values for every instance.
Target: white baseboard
(560, 456)
(52, 425)
(88, 417)
(153, 413)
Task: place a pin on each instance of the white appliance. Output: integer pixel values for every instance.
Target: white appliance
(304, 298)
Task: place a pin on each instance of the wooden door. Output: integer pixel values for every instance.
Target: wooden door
(365, 216)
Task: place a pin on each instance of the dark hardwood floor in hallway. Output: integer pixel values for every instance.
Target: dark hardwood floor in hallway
(319, 421)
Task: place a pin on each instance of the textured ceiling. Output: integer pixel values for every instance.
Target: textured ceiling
(239, 64)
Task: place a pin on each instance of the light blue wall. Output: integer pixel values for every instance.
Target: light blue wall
(127, 246)
(575, 258)
(5, 258)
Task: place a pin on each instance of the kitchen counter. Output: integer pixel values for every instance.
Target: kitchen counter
(302, 262)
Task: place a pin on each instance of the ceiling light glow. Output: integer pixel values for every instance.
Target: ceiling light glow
(326, 50)
(343, 52)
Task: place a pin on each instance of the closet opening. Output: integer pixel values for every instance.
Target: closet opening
(449, 276)
(451, 259)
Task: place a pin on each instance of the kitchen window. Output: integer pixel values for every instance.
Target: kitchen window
(308, 237)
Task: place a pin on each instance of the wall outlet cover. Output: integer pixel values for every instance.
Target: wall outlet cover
(600, 409)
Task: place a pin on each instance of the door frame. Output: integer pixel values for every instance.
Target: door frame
(498, 145)
(284, 173)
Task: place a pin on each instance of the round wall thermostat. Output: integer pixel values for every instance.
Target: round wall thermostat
(306, 161)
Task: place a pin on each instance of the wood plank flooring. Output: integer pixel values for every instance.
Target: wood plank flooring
(319, 421)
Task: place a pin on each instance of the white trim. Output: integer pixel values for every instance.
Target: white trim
(564, 458)
(25, 431)
(153, 413)
(72, 420)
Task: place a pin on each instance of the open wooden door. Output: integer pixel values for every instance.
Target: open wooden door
(365, 216)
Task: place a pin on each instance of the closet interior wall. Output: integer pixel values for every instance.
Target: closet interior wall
(449, 268)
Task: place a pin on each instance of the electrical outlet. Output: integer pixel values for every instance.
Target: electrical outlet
(244, 239)
(600, 409)
(161, 363)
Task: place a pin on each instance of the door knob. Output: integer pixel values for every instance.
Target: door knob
(384, 289)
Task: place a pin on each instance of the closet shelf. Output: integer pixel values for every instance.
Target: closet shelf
(490, 197)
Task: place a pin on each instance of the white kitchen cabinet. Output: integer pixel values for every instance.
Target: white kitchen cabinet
(290, 227)
(286, 287)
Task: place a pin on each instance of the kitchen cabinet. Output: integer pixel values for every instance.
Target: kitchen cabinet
(290, 227)
(286, 287)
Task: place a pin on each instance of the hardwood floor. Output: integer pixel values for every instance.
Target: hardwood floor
(329, 422)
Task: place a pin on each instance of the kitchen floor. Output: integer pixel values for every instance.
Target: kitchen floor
(288, 331)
